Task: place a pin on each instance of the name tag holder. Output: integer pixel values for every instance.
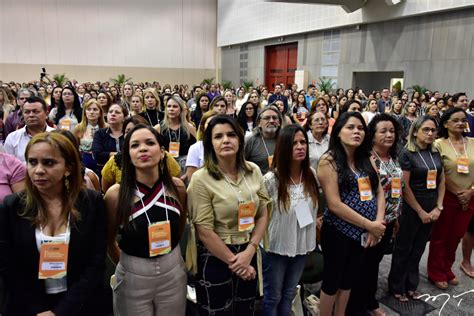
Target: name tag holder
(53, 260)
(396, 188)
(246, 216)
(53, 257)
(365, 189)
(159, 238)
(431, 179)
(174, 149)
(66, 124)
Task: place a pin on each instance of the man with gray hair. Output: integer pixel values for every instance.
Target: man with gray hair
(15, 120)
(260, 146)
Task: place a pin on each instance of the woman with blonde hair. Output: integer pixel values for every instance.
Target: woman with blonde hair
(195, 158)
(136, 105)
(178, 134)
(153, 111)
(52, 235)
(5, 103)
(92, 121)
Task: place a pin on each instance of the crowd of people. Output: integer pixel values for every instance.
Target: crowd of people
(228, 191)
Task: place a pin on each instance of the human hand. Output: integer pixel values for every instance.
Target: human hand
(424, 217)
(249, 274)
(319, 222)
(371, 240)
(464, 196)
(241, 261)
(434, 214)
(376, 228)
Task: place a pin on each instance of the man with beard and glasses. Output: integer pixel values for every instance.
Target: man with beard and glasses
(259, 147)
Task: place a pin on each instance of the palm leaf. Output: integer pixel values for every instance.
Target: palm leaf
(60, 79)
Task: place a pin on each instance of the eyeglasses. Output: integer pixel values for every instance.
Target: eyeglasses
(268, 118)
(427, 130)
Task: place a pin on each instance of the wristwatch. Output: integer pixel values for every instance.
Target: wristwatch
(440, 207)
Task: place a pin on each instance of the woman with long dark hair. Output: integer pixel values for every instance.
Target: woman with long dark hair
(68, 113)
(52, 235)
(149, 207)
(383, 134)
(228, 207)
(292, 186)
(202, 106)
(247, 117)
(353, 218)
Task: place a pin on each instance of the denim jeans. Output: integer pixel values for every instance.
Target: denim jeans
(281, 275)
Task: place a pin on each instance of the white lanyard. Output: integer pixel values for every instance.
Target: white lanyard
(143, 204)
(436, 169)
(149, 119)
(265, 145)
(299, 187)
(464, 145)
(355, 172)
(67, 231)
(179, 135)
(239, 198)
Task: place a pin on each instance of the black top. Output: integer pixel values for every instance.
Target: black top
(134, 239)
(103, 144)
(19, 259)
(179, 135)
(411, 161)
(153, 117)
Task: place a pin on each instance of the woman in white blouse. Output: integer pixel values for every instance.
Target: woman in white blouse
(318, 137)
(291, 230)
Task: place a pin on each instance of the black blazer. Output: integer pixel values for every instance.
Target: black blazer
(19, 259)
(103, 144)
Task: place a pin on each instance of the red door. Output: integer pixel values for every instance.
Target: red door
(280, 64)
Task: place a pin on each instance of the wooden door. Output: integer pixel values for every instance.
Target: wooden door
(280, 64)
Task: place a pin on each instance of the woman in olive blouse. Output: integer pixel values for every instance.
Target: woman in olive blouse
(227, 201)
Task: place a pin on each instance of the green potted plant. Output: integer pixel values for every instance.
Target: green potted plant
(120, 80)
(325, 84)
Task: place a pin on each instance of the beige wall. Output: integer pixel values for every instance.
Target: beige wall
(28, 72)
(165, 40)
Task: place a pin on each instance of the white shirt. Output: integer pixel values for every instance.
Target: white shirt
(195, 155)
(317, 149)
(53, 286)
(16, 142)
(285, 236)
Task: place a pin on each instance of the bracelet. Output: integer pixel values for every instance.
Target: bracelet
(253, 244)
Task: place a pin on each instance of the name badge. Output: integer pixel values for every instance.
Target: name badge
(270, 161)
(396, 188)
(159, 238)
(246, 214)
(174, 149)
(467, 129)
(53, 260)
(65, 124)
(463, 165)
(365, 189)
(431, 179)
(303, 214)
